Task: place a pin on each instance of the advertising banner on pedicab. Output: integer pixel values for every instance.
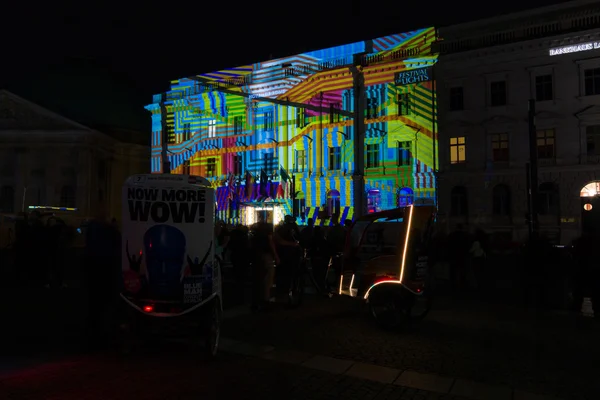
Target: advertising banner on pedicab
(168, 239)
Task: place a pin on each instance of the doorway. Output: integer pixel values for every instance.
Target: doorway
(590, 207)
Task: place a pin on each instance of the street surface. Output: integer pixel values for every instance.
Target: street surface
(169, 372)
(539, 353)
(460, 339)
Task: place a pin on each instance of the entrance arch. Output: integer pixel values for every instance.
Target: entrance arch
(590, 207)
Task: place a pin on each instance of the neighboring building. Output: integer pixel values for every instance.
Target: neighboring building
(49, 160)
(283, 159)
(487, 72)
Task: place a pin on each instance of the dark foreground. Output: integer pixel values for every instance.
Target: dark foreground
(461, 344)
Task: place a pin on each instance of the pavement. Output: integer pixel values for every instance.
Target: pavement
(171, 372)
(507, 350)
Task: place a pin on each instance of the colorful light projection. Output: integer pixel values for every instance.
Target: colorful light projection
(277, 152)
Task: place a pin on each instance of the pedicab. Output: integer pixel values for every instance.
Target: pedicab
(394, 279)
(171, 277)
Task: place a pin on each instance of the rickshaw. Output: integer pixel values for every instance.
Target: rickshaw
(393, 280)
(171, 277)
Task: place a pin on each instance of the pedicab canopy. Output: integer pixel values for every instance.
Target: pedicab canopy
(168, 260)
(408, 266)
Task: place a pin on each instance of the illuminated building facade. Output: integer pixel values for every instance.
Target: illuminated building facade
(273, 136)
(490, 70)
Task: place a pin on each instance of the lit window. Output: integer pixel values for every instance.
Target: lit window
(458, 149)
(212, 128)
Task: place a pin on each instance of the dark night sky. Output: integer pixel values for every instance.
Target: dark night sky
(131, 54)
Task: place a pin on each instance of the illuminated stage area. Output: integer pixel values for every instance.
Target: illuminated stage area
(279, 135)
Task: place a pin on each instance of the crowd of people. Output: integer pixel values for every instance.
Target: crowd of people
(36, 233)
(272, 254)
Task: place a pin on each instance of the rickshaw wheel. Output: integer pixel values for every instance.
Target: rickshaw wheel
(212, 329)
(387, 307)
(426, 304)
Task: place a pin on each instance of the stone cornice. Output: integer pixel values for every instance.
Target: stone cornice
(568, 20)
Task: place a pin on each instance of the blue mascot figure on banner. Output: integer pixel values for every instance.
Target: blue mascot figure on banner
(165, 248)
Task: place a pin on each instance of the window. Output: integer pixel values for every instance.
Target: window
(269, 123)
(373, 201)
(7, 199)
(458, 201)
(458, 150)
(498, 93)
(185, 168)
(592, 134)
(335, 158)
(500, 147)
(300, 160)
(372, 155)
(404, 154)
(237, 164)
(592, 81)
(456, 99)
(171, 138)
(211, 167)
(372, 108)
(212, 128)
(405, 197)
(301, 118)
(67, 197)
(543, 88)
(269, 161)
(501, 200)
(186, 133)
(545, 143)
(403, 104)
(334, 113)
(333, 202)
(238, 124)
(299, 205)
(548, 199)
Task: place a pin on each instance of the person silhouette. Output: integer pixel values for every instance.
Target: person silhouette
(195, 267)
(135, 262)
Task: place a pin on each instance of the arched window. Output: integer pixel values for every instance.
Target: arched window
(68, 197)
(373, 200)
(406, 197)
(501, 200)
(592, 189)
(333, 202)
(548, 199)
(459, 204)
(7, 199)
